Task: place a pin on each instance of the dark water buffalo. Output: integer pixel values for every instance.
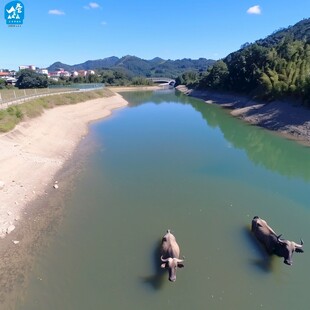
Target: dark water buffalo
(170, 253)
(272, 242)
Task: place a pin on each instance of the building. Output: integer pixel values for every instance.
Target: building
(5, 75)
(82, 73)
(60, 72)
(42, 71)
(30, 67)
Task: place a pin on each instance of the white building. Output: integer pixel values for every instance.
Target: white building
(31, 67)
(43, 71)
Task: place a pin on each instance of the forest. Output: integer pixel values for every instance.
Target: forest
(272, 68)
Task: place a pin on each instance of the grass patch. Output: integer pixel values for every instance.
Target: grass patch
(11, 116)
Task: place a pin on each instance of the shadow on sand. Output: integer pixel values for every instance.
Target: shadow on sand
(159, 276)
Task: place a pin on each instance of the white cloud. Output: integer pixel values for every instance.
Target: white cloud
(254, 10)
(92, 5)
(56, 12)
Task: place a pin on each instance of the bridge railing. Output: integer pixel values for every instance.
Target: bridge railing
(161, 79)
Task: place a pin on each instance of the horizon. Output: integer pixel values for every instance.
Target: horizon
(75, 33)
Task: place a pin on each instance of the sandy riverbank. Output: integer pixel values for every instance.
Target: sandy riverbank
(286, 118)
(33, 153)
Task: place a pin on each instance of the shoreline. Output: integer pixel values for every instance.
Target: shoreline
(40, 160)
(290, 120)
(37, 149)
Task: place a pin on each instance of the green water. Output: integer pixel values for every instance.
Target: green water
(169, 161)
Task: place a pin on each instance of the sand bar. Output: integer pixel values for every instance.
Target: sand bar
(33, 153)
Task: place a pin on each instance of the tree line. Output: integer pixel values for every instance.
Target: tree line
(31, 79)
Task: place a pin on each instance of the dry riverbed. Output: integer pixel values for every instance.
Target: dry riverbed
(37, 149)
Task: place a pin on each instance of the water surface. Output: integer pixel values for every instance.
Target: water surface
(169, 161)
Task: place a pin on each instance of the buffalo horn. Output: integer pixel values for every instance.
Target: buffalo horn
(299, 245)
(163, 259)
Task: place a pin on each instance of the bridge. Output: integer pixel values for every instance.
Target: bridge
(163, 81)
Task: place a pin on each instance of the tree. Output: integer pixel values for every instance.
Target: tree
(216, 77)
(30, 79)
(2, 83)
(188, 78)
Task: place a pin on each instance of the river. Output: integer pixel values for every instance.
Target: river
(168, 161)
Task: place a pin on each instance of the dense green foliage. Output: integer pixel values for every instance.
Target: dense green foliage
(109, 77)
(275, 67)
(120, 77)
(30, 79)
(189, 78)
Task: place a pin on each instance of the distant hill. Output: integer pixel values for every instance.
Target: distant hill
(87, 65)
(300, 31)
(136, 66)
(274, 67)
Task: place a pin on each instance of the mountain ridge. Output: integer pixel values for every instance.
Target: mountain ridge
(136, 66)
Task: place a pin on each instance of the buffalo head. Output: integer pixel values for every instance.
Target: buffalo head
(172, 264)
(286, 248)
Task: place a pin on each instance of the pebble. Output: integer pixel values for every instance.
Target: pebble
(10, 229)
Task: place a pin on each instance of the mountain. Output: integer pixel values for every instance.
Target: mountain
(300, 31)
(275, 67)
(59, 64)
(88, 65)
(135, 66)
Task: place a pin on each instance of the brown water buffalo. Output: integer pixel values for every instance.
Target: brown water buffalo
(272, 242)
(170, 253)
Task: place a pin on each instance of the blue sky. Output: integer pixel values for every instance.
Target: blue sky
(73, 31)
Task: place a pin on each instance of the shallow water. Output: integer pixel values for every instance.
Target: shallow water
(169, 161)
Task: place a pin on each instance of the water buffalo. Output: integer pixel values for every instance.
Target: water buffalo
(170, 253)
(272, 242)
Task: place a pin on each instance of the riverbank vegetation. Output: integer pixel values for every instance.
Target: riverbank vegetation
(27, 79)
(273, 68)
(11, 116)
